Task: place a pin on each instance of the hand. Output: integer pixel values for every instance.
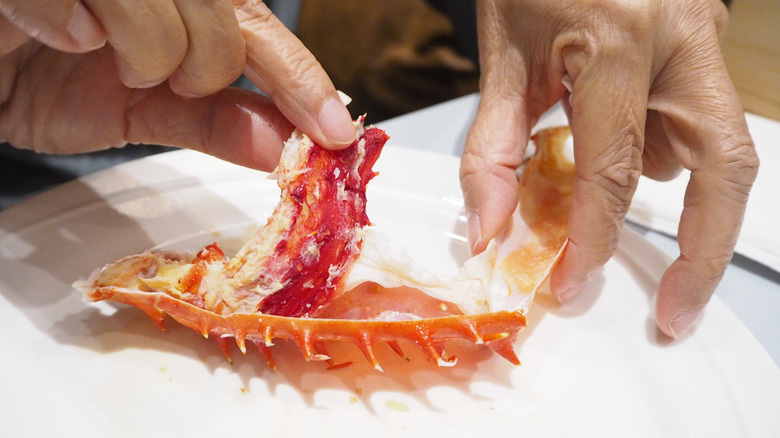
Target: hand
(647, 93)
(160, 79)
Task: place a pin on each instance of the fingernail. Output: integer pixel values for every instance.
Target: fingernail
(336, 123)
(569, 293)
(683, 322)
(85, 29)
(567, 82)
(473, 231)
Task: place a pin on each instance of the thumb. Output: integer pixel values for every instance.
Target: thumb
(494, 150)
(498, 137)
(236, 125)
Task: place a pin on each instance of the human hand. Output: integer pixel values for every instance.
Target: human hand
(160, 79)
(647, 92)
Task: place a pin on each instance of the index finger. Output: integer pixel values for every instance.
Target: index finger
(279, 64)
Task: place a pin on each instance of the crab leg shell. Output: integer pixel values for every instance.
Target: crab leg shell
(496, 329)
(539, 232)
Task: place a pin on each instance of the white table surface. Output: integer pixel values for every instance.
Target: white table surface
(750, 289)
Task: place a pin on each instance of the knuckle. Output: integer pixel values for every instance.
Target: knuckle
(300, 64)
(475, 167)
(711, 268)
(204, 80)
(737, 167)
(469, 164)
(298, 71)
(151, 59)
(500, 154)
(619, 174)
(621, 19)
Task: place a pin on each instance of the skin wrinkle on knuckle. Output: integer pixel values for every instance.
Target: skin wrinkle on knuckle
(493, 151)
(739, 164)
(710, 268)
(148, 49)
(576, 49)
(210, 78)
(605, 33)
(295, 68)
(621, 168)
(468, 165)
(474, 165)
(734, 167)
(299, 66)
(616, 190)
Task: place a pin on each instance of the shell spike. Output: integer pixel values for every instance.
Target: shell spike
(266, 352)
(204, 328)
(476, 336)
(366, 345)
(224, 346)
(156, 315)
(504, 348)
(240, 341)
(308, 347)
(397, 349)
(432, 349)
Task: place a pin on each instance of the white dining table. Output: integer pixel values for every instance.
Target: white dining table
(750, 287)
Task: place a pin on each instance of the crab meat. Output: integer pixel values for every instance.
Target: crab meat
(318, 272)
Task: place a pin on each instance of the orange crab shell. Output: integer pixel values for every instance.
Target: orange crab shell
(498, 330)
(545, 189)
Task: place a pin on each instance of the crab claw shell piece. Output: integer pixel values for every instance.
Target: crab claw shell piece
(316, 273)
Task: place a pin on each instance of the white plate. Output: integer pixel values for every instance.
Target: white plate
(594, 367)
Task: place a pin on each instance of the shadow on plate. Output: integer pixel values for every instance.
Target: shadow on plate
(110, 328)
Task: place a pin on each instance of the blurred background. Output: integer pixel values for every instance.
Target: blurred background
(397, 56)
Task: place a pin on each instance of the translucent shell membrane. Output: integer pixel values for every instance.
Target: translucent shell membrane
(317, 273)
